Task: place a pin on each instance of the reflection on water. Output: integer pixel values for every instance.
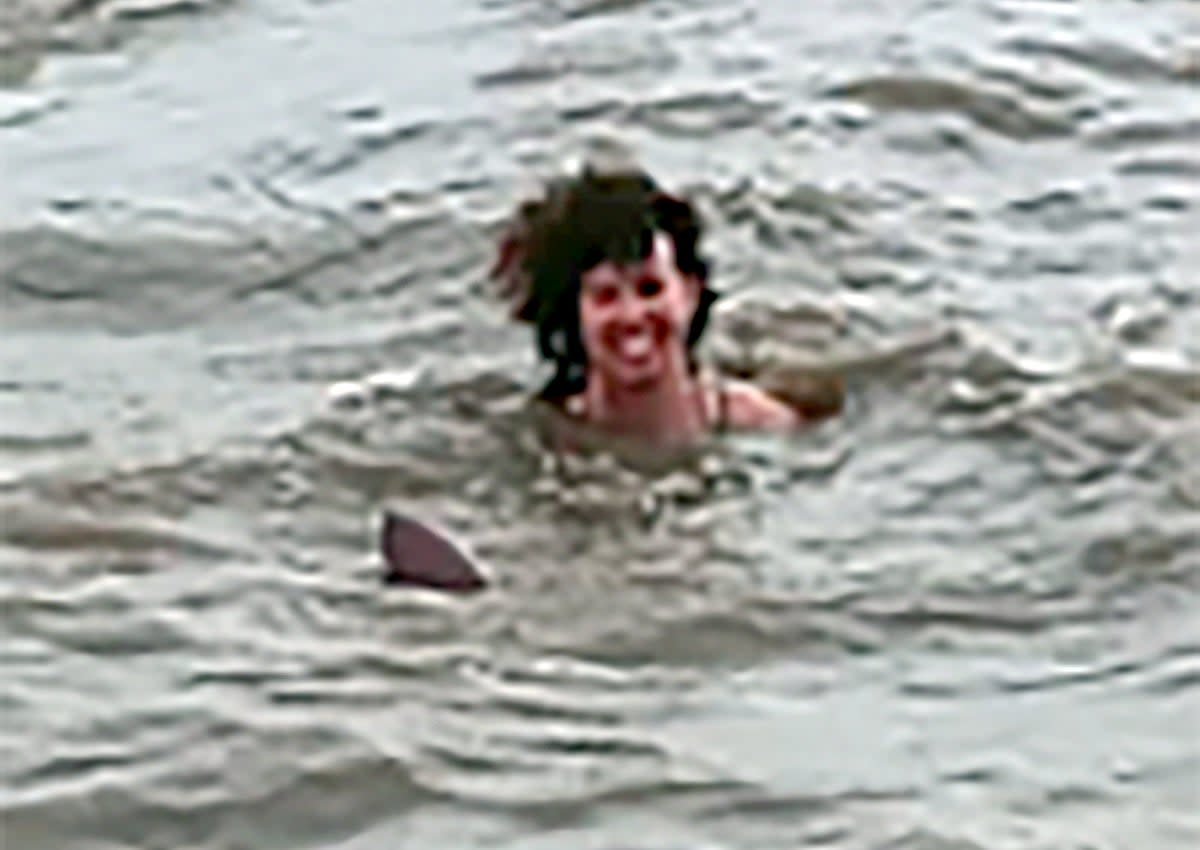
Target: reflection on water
(243, 310)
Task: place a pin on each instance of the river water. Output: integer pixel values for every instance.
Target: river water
(964, 614)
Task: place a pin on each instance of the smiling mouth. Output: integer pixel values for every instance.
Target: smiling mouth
(637, 346)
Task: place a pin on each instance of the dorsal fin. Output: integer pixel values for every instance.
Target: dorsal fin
(418, 555)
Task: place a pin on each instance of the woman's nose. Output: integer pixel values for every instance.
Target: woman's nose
(631, 307)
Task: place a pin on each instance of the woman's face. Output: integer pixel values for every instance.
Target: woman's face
(635, 317)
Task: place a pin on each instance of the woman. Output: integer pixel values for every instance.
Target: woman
(608, 269)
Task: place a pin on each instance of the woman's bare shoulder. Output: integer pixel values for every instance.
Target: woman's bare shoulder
(749, 407)
(752, 406)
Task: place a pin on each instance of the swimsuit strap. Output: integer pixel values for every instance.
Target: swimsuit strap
(716, 395)
(721, 426)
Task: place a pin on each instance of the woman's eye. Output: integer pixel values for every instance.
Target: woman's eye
(604, 294)
(649, 288)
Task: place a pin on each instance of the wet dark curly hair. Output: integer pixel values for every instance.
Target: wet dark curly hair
(577, 224)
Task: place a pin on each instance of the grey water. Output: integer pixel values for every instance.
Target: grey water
(243, 307)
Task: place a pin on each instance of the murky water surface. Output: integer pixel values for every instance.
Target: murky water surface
(966, 614)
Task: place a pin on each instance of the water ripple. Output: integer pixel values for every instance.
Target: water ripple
(962, 614)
